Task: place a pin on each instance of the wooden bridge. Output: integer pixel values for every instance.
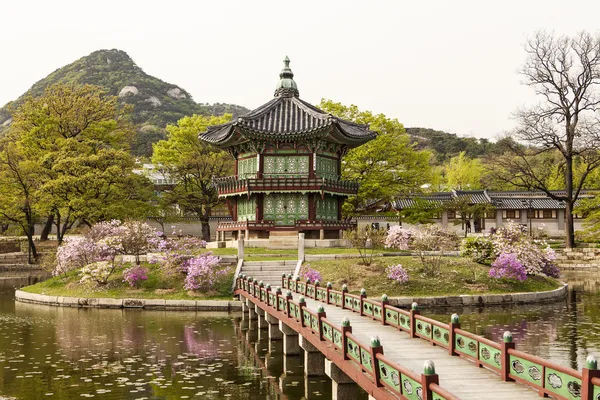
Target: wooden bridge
(399, 354)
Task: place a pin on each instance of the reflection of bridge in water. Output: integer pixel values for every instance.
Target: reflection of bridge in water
(385, 367)
(284, 374)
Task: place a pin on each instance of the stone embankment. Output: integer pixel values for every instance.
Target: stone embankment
(579, 258)
(147, 304)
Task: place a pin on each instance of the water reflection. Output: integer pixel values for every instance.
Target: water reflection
(565, 331)
(67, 353)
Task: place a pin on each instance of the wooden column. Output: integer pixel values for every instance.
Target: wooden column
(259, 207)
(340, 203)
(311, 165)
(234, 214)
(312, 211)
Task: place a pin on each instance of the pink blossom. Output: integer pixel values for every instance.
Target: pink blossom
(397, 273)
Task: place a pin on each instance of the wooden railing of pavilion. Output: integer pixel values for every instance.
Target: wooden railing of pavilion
(396, 381)
(549, 378)
(283, 182)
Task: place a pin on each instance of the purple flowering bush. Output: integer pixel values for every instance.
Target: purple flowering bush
(507, 265)
(310, 273)
(203, 272)
(397, 273)
(135, 275)
(535, 255)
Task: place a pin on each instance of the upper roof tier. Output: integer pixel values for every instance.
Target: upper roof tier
(287, 118)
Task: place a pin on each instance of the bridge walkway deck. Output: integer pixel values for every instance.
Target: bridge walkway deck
(457, 375)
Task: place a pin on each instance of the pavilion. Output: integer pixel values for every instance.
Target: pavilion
(288, 157)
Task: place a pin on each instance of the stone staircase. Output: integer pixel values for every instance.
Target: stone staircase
(13, 261)
(268, 271)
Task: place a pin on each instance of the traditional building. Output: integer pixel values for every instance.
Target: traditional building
(287, 167)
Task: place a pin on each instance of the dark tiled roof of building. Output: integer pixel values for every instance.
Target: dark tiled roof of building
(517, 200)
(287, 118)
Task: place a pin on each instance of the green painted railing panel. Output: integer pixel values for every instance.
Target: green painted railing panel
(281, 304)
(596, 393)
(441, 335)
(466, 345)
(337, 339)
(365, 358)
(306, 318)
(367, 309)
(563, 384)
(327, 331)
(293, 286)
(391, 317)
(377, 310)
(300, 287)
(423, 328)
(404, 321)
(356, 304)
(389, 375)
(411, 389)
(490, 355)
(526, 370)
(321, 294)
(271, 299)
(335, 298)
(314, 324)
(353, 350)
(284, 283)
(292, 309)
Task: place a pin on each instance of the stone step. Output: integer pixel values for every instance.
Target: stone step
(268, 268)
(270, 263)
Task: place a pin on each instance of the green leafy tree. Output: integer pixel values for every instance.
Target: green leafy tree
(193, 164)
(464, 173)
(387, 165)
(77, 139)
(19, 185)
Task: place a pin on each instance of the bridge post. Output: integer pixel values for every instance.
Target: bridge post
(346, 328)
(329, 286)
(314, 360)
(376, 348)
(262, 323)
(290, 340)
(363, 296)
(427, 378)
(344, 291)
(414, 311)
(342, 386)
(251, 311)
(587, 373)
(454, 324)
(384, 302)
(273, 327)
(506, 345)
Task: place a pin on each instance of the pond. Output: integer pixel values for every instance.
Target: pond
(66, 353)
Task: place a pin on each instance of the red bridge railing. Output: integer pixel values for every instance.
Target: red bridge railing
(547, 377)
(382, 373)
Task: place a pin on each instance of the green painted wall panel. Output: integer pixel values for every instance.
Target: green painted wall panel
(247, 168)
(246, 208)
(285, 208)
(327, 208)
(326, 168)
(286, 166)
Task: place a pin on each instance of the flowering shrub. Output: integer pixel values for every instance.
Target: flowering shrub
(176, 252)
(137, 238)
(312, 274)
(477, 248)
(135, 275)
(397, 273)
(97, 272)
(397, 238)
(431, 241)
(534, 254)
(203, 272)
(74, 253)
(507, 265)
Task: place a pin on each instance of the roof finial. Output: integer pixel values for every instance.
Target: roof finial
(287, 86)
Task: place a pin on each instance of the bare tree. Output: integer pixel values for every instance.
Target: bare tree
(564, 127)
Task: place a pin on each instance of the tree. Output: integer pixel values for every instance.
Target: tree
(467, 211)
(76, 138)
(193, 164)
(387, 165)
(19, 184)
(564, 72)
(464, 173)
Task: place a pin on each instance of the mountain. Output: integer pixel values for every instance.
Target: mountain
(447, 145)
(155, 103)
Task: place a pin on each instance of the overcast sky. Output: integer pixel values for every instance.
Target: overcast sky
(447, 65)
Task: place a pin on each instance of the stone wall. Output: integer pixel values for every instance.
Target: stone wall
(9, 246)
(578, 258)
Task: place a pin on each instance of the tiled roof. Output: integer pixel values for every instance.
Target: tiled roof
(475, 196)
(284, 118)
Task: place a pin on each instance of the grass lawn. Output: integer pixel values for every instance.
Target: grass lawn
(456, 278)
(154, 288)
